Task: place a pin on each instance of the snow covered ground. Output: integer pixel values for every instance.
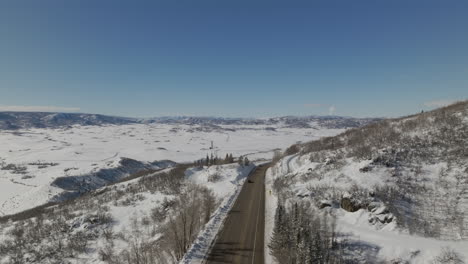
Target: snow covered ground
(271, 201)
(378, 241)
(132, 207)
(226, 189)
(32, 158)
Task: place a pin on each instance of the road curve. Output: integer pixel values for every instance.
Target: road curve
(242, 237)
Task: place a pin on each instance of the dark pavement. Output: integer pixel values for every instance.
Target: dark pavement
(242, 237)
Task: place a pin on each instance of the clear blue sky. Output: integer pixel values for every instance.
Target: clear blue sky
(233, 58)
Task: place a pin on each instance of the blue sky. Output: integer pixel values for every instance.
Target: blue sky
(233, 58)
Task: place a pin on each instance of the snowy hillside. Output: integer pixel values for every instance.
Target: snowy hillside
(136, 221)
(22, 120)
(393, 192)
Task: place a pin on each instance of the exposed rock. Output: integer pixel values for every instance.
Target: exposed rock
(381, 210)
(324, 204)
(373, 206)
(385, 218)
(350, 205)
(365, 169)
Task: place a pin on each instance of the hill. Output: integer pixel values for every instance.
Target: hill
(25, 120)
(397, 190)
(22, 120)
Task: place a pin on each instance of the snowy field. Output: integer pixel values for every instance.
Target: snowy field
(31, 159)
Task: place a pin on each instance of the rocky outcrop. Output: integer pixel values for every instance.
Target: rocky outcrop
(351, 205)
(379, 213)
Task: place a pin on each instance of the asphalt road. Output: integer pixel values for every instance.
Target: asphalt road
(242, 237)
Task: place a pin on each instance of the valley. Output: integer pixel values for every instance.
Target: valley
(213, 191)
(31, 159)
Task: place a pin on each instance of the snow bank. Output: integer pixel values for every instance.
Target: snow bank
(227, 188)
(271, 202)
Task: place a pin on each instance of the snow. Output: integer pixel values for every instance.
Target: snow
(81, 150)
(271, 202)
(386, 241)
(393, 244)
(226, 190)
(124, 217)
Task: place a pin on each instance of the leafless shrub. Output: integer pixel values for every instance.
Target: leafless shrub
(448, 256)
(187, 219)
(141, 250)
(361, 152)
(16, 169)
(78, 242)
(215, 177)
(317, 156)
(209, 203)
(280, 183)
(277, 156)
(327, 143)
(42, 165)
(320, 192)
(166, 182)
(103, 215)
(107, 254)
(159, 213)
(108, 234)
(311, 175)
(293, 149)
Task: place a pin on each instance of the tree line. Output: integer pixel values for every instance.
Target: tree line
(301, 236)
(211, 160)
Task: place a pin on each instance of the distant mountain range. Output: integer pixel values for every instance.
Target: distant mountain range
(286, 121)
(22, 120)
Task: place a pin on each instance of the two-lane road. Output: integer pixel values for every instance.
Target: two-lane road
(242, 237)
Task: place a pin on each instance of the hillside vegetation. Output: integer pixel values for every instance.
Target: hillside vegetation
(149, 218)
(405, 176)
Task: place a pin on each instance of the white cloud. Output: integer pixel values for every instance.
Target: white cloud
(331, 110)
(24, 108)
(439, 103)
